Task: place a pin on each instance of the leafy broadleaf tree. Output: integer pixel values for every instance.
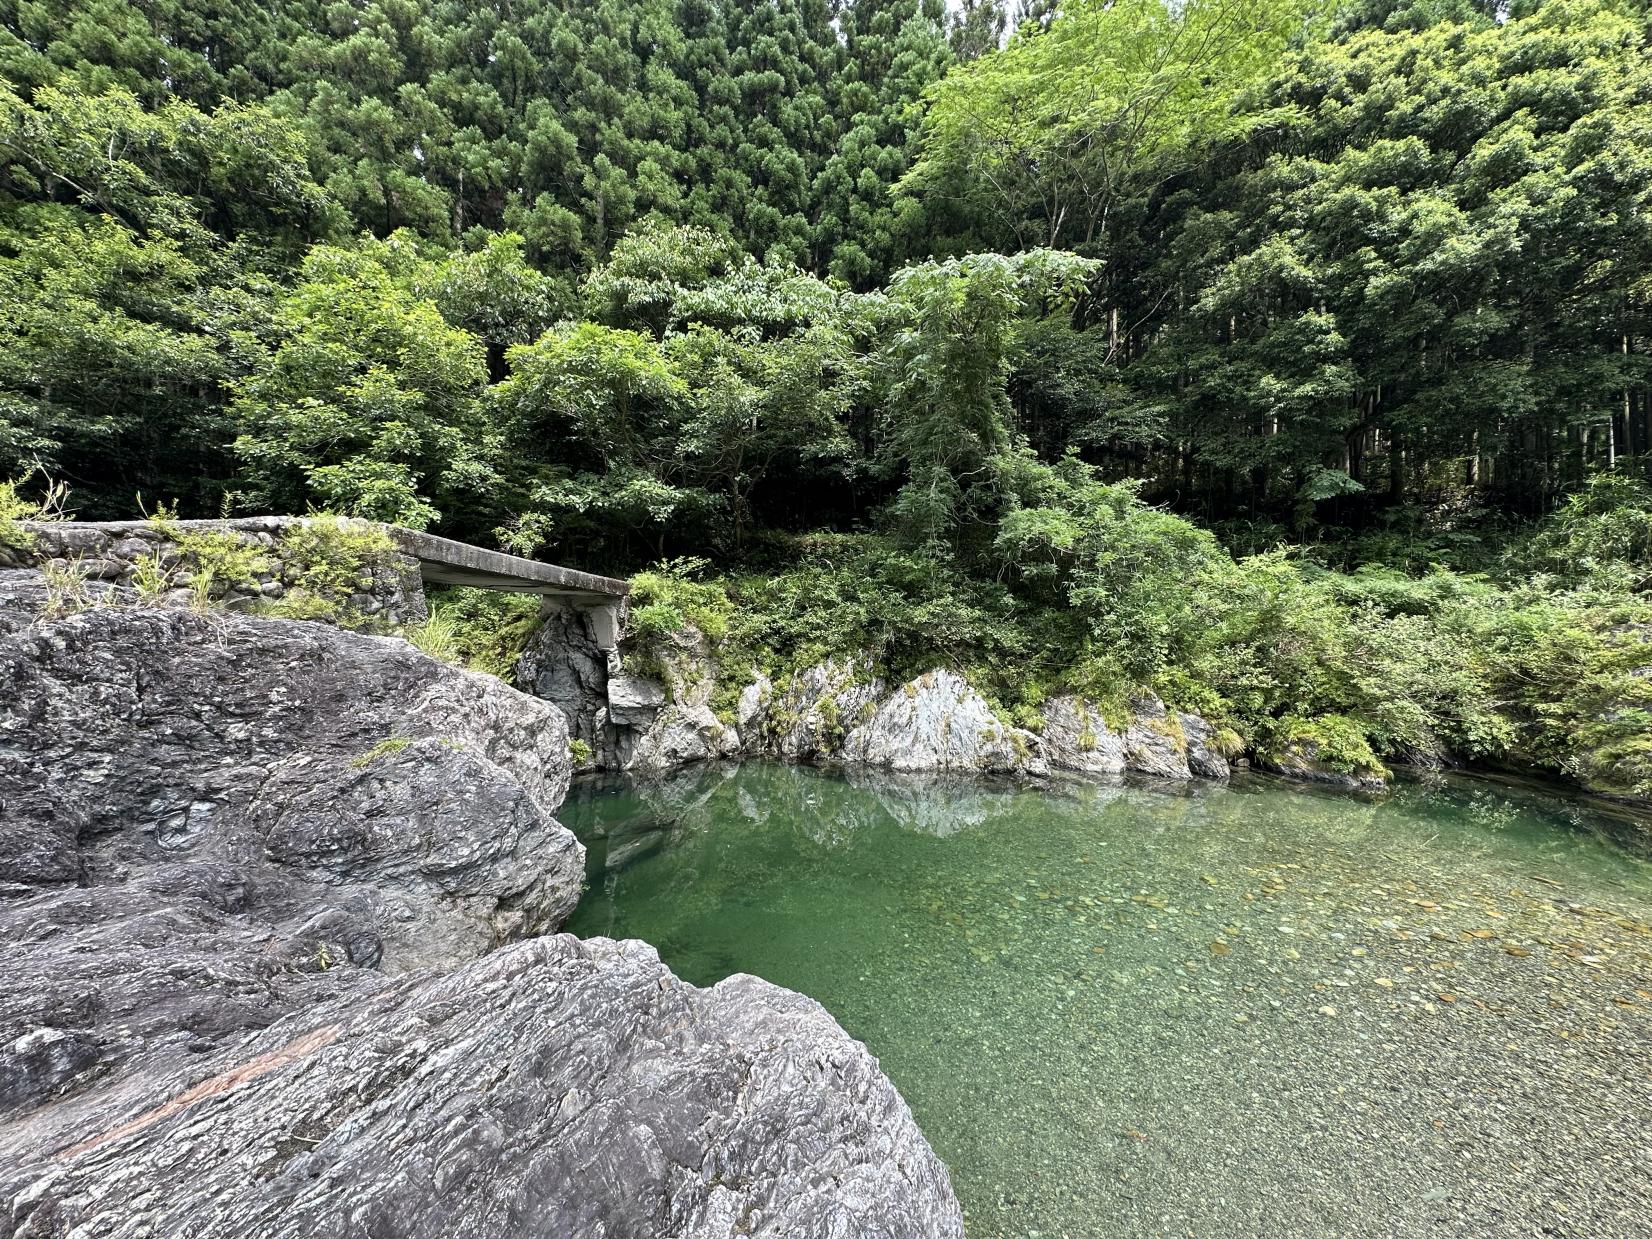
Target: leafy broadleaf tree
(756, 407)
(365, 400)
(596, 408)
(944, 363)
(1050, 132)
(134, 243)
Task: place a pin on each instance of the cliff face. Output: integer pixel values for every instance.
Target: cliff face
(841, 710)
(269, 898)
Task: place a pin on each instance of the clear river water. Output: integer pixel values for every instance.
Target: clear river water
(1257, 1010)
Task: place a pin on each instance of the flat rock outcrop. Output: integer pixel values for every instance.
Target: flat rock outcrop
(595, 1095)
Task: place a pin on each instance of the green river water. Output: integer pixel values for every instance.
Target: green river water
(1260, 1010)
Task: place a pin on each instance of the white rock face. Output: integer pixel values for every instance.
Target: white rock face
(748, 713)
(1158, 742)
(1154, 744)
(838, 710)
(938, 722)
(817, 709)
(1076, 738)
(690, 669)
(679, 735)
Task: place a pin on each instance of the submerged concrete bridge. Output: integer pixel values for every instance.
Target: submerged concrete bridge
(111, 551)
(443, 561)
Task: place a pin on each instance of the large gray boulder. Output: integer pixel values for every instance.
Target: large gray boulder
(207, 820)
(1205, 755)
(938, 722)
(680, 735)
(1154, 743)
(751, 709)
(264, 890)
(633, 722)
(132, 737)
(554, 1087)
(634, 700)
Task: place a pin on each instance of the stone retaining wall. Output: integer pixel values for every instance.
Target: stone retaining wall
(386, 591)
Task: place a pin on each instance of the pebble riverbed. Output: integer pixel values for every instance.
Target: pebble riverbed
(1132, 1010)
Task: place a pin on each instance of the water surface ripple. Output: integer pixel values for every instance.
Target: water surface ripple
(1140, 1011)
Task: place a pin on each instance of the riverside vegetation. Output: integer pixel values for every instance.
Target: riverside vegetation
(1287, 359)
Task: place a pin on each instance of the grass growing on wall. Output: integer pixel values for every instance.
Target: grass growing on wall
(481, 629)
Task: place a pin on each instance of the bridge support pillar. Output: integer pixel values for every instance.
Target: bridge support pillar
(602, 617)
(605, 625)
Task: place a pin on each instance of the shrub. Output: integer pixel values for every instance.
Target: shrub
(1601, 534)
(438, 636)
(152, 579)
(1332, 739)
(668, 598)
(67, 589)
(1573, 677)
(481, 629)
(15, 510)
(326, 560)
(1129, 569)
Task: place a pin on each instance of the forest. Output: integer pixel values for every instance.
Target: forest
(1291, 358)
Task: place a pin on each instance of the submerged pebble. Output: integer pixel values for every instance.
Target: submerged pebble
(1440, 1021)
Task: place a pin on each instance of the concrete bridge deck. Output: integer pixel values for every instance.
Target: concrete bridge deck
(111, 550)
(443, 561)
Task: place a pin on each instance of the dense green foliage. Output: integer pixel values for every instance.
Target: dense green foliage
(1362, 287)
(1529, 669)
(478, 628)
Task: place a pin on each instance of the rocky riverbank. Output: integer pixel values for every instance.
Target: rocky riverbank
(273, 898)
(647, 710)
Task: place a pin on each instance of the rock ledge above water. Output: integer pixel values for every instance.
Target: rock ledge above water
(554, 1087)
(254, 880)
